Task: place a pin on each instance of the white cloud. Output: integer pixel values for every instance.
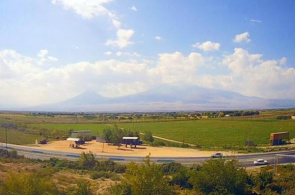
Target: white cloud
(108, 53)
(158, 38)
(241, 71)
(242, 38)
(86, 8)
(116, 23)
(119, 53)
(38, 85)
(123, 39)
(128, 54)
(89, 9)
(252, 76)
(133, 8)
(14, 65)
(43, 55)
(207, 46)
(255, 21)
(52, 59)
(175, 68)
(283, 60)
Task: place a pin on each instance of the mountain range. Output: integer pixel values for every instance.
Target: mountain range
(166, 98)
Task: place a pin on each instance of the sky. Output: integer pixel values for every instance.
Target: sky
(53, 50)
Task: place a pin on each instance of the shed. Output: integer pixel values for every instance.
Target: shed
(73, 139)
(76, 142)
(279, 138)
(85, 135)
(131, 141)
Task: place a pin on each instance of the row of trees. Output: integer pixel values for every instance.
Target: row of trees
(115, 134)
(213, 177)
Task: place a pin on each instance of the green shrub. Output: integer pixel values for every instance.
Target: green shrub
(158, 143)
(283, 117)
(172, 167)
(27, 184)
(104, 174)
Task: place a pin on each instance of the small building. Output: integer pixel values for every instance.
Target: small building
(279, 138)
(76, 142)
(131, 141)
(86, 135)
(249, 143)
(100, 139)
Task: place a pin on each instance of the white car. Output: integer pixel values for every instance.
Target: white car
(217, 155)
(260, 162)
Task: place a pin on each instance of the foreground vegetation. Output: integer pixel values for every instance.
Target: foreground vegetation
(87, 176)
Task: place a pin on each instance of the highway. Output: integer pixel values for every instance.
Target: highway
(246, 160)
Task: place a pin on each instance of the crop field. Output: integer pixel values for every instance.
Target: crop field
(17, 137)
(224, 133)
(208, 133)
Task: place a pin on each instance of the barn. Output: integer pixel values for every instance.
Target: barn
(279, 138)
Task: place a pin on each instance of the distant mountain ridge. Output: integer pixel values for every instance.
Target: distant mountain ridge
(166, 98)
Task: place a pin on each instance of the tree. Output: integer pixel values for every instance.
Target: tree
(220, 177)
(117, 135)
(146, 179)
(148, 136)
(107, 134)
(263, 179)
(221, 114)
(87, 160)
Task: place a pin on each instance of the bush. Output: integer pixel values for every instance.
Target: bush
(172, 167)
(263, 179)
(62, 163)
(148, 136)
(104, 174)
(284, 117)
(100, 174)
(158, 143)
(83, 188)
(87, 160)
(108, 165)
(10, 154)
(220, 177)
(146, 179)
(27, 184)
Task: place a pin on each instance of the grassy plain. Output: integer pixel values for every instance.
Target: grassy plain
(213, 133)
(18, 137)
(207, 133)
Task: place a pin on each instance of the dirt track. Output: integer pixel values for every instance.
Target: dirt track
(105, 149)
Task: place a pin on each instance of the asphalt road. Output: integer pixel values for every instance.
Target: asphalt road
(245, 160)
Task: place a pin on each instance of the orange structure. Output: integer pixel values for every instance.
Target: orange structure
(279, 138)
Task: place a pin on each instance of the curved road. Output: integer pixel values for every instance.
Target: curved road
(245, 160)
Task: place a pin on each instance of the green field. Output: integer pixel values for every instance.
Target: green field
(17, 137)
(208, 133)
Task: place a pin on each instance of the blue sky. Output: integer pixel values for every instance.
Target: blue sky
(51, 50)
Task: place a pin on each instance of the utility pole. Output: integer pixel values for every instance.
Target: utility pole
(275, 164)
(6, 137)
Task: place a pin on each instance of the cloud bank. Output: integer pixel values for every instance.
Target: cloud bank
(243, 72)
